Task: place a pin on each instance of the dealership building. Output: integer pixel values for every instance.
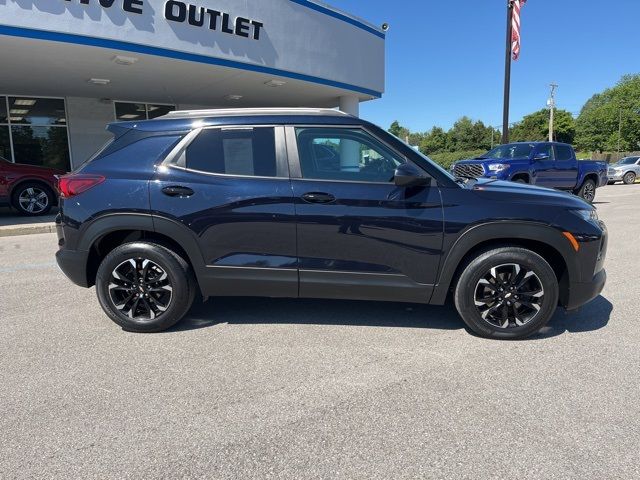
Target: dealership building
(69, 67)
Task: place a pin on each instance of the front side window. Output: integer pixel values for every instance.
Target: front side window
(563, 153)
(546, 149)
(344, 154)
(241, 151)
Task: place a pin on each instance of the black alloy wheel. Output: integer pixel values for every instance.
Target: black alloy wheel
(588, 190)
(506, 292)
(145, 287)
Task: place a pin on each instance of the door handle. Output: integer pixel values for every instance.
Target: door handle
(318, 197)
(178, 191)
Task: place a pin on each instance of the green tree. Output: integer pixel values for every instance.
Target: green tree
(398, 130)
(605, 114)
(434, 141)
(535, 126)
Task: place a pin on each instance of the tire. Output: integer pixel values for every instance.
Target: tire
(520, 180)
(32, 199)
(588, 190)
(155, 305)
(486, 318)
(629, 178)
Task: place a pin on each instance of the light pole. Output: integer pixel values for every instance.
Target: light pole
(551, 103)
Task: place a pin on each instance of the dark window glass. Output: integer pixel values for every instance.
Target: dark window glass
(3, 110)
(155, 111)
(563, 153)
(5, 144)
(234, 152)
(344, 154)
(131, 111)
(547, 149)
(47, 146)
(37, 111)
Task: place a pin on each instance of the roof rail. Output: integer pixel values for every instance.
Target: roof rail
(228, 112)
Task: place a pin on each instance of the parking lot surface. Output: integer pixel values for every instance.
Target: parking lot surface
(261, 388)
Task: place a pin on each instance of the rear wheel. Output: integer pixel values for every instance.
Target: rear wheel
(508, 292)
(145, 287)
(629, 178)
(588, 190)
(32, 199)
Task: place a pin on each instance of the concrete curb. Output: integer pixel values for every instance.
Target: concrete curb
(28, 229)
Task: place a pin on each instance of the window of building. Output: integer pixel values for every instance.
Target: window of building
(127, 111)
(344, 154)
(33, 131)
(248, 151)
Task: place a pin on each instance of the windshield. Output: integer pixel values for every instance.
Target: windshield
(510, 150)
(628, 161)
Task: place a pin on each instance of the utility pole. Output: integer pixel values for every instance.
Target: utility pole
(507, 75)
(551, 103)
(619, 127)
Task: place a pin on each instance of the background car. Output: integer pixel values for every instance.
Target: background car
(546, 164)
(30, 189)
(626, 170)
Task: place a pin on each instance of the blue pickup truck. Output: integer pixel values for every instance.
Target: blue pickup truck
(546, 164)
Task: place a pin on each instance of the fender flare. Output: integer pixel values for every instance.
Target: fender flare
(499, 231)
(147, 223)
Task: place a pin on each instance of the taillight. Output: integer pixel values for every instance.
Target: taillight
(74, 184)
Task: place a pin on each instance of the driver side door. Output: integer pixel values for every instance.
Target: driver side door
(360, 236)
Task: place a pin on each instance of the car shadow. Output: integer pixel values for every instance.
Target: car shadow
(250, 310)
(592, 316)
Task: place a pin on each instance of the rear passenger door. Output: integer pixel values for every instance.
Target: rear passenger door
(566, 167)
(230, 188)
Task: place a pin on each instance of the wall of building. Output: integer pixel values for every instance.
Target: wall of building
(289, 37)
(87, 119)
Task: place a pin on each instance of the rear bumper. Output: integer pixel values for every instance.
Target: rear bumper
(581, 293)
(74, 265)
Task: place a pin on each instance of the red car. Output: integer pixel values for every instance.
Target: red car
(30, 189)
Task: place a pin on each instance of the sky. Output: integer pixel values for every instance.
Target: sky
(445, 58)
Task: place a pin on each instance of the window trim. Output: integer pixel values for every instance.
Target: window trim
(294, 155)
(174, 157)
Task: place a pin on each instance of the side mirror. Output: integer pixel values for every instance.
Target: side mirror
(540, 156)
(408, 175)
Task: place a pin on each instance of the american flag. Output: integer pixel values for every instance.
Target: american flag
(515, 28)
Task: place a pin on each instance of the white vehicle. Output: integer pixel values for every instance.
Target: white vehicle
(626, 170)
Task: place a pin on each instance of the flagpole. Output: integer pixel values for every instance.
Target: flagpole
(507, 75)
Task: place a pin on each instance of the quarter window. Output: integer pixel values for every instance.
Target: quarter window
(247, 152)
(344, 154)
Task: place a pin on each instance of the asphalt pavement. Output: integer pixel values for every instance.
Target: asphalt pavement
(302, 389)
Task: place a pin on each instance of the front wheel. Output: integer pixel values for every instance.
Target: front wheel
(629, 178)
(588, 190)
(145, 287)
(507, 293)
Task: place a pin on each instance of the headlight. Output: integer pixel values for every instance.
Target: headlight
(589, 214)
(497, 167)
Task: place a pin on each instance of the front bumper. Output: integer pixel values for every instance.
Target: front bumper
(581, 293)
(615, 176)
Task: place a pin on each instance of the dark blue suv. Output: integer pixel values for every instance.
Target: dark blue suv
(315, 204)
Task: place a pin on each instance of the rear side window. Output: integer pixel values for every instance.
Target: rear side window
(247, 152)
(563, 153)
